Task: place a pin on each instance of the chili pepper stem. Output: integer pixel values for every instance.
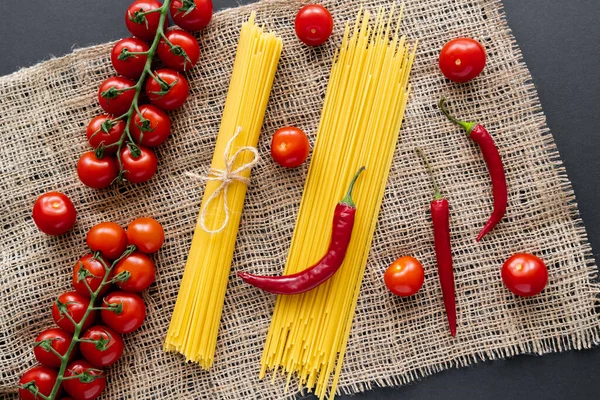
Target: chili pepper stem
(467, 126)
(436, 191)
(348, 198)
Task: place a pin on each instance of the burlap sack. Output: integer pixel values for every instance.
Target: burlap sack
(43, 113)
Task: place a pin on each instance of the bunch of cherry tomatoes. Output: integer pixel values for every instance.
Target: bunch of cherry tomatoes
(119, 258)
(123, 138)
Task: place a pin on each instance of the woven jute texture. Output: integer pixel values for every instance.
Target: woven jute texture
(43, 114)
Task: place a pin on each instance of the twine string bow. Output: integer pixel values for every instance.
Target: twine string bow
(226, 176)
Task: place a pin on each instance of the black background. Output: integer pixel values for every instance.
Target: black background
(560, 41)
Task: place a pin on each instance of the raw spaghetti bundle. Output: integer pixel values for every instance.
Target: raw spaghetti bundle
(195, 322)
(360, 123)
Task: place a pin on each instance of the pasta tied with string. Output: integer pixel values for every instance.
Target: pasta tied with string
(195, 321)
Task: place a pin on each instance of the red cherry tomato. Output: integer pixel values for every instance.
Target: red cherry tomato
(525, 274)
(85, 388)
(40, 377)
(59, 340)
(405, 276)
(97, 173)
(462, 59)
(108, 238)
(75, 305)
(313, 24)
(129, 65)
(116, 94)
(138, 169)
(97, 271)
(170, 91)
(140, 25)
(183, 53)
(107, 349)
(192, 15)
(129, 314)
(54, 213)
(290, 147)
(141, 272)
(102, 130)
(147, 234)
(153, 126)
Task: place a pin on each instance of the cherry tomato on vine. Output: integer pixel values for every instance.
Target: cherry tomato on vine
(54, 213)
(182, 54)
(140, 22)
(147, 234)
(40, 377)
(462, 59)
(525, 274)
(108, 238)
(75, 305)
(141, 168)
(170, 91)
(128, 314)
(313, 24)
(97, 271)
(97, 173)
(103, 130)
(192, 15)
(107, 349)
(153, 126)
(129, 65)
(289, 147)
(87, 387)
(116, 94)
(141, 272)
(405, 276)
(59, 340)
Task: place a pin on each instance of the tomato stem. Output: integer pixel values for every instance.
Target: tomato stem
(134, 108)
(79, 326)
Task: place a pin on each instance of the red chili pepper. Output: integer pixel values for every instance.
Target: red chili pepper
(343, 221)
(494, 164)
(440, 216)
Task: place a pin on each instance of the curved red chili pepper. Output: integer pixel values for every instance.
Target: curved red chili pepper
(343, 222)
(494, 164)
(440, 217)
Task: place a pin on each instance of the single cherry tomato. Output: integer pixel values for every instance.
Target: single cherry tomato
(103, 130)
(54, 213)
(40, 377)
(290, 147)
(142, 24)
(116, 94)
(107, 349)
(108, 238)
(169, 90)
(141, 168)
(128, 313)
(525, 274)
(75, 305)
(140, 269)
(88, 386)
(129, 65)
(405, 276)
(97, 173)
(182, 54)
(153, 126)
(313, 24)
(59, 340)
(462, 59)
(192, 15)
(95, 273)
(147, 234)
